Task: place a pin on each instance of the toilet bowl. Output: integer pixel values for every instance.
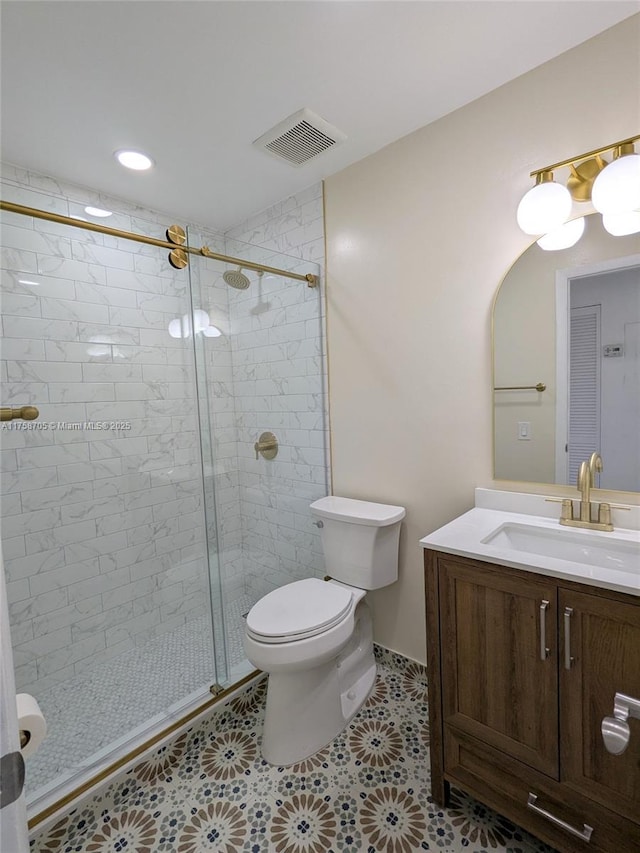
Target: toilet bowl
(315, 638)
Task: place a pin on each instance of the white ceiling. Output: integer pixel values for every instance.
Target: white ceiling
(194, 83)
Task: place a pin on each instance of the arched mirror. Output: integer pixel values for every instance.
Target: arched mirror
(569, 320)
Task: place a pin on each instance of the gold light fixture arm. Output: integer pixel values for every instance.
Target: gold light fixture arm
(618, 147)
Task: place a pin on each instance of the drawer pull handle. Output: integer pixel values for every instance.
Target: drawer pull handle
(584, 834)
(544, 651)
(568, 660)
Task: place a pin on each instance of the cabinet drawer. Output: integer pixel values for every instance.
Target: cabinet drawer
(504, 784)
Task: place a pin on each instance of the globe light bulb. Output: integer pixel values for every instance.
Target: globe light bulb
(545, 207)
(621, 224)
(200, 320)
(617, 187)
(564, 237)
(175, 328)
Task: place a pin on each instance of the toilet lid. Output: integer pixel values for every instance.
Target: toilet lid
(297, 610)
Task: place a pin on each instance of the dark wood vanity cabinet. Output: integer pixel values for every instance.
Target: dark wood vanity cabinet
(522, 670)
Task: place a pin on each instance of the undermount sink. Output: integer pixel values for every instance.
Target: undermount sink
(593, 549)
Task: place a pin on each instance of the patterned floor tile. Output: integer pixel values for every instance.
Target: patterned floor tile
(367, 791)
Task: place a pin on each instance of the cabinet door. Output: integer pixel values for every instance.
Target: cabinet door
(602, 638)
(499, 686)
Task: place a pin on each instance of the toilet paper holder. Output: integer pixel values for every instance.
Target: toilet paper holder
(25, 737)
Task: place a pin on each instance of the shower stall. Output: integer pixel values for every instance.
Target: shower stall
(143, 512)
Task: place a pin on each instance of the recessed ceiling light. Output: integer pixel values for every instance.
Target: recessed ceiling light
(80, 218)
(97, 211)
(134, 160)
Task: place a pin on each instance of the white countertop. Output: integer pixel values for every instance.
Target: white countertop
(464, 537)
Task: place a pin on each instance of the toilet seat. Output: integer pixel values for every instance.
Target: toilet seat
(298, 610)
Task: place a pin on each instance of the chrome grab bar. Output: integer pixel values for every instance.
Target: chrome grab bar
(25, 413)
(584, 834)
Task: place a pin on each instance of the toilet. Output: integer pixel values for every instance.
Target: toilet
(314, 638)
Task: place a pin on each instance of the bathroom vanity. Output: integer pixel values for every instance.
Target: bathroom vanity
(533, 633)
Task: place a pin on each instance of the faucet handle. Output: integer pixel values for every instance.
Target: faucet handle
(604, 514)
(566, 513)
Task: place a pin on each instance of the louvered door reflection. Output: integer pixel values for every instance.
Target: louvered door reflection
(584, 387)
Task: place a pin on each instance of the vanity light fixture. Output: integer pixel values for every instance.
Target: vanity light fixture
(182, 327)
(545, 207)
(613, 187)
(136, 160)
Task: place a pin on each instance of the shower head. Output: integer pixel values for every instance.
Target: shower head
(236, 278)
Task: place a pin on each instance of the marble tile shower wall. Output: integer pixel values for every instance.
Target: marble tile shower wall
(279, 379)
(103, 531)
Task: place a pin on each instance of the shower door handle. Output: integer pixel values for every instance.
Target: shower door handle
(25, 413)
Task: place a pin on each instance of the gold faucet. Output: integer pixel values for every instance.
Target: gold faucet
(586, 482)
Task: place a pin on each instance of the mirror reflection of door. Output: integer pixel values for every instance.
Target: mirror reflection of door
(531, 339)
(601, 394)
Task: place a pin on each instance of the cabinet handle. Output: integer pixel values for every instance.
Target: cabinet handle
(584, 834)
(568, 660)
(544, 651)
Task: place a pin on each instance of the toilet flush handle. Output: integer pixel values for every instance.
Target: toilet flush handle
(319, 523)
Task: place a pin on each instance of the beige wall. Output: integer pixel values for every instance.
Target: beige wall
(418, 237)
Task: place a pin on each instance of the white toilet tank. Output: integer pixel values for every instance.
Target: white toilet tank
(359, 540)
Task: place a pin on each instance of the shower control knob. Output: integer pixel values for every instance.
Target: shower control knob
(267, 445)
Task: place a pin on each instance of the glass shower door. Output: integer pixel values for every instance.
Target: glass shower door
(260, 367)
(103, 531)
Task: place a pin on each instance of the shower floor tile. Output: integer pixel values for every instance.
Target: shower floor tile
(368, 790)
(90, 711)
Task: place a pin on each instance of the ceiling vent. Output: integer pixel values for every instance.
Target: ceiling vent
(300, 137)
